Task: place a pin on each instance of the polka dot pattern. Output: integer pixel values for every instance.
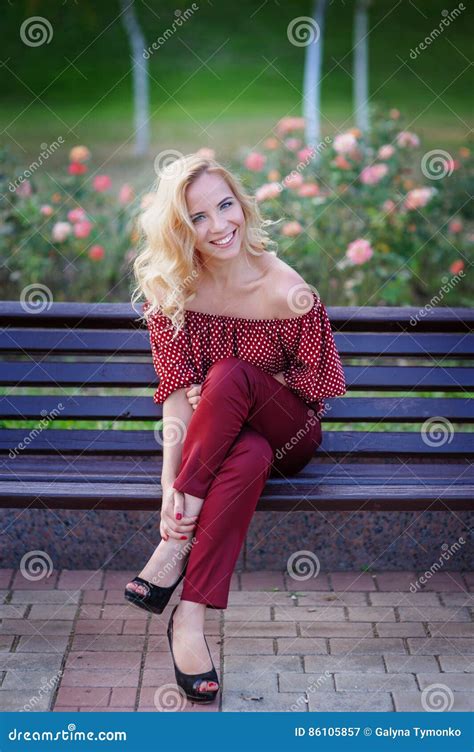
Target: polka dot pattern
(302, 347)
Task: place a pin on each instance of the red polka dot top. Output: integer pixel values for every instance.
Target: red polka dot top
(302, 347)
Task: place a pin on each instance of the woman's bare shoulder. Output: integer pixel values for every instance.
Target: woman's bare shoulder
(290, 294)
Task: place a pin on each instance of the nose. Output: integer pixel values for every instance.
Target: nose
(217, 224)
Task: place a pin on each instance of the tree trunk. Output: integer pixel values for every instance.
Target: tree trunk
(361, 65)
(140, 78)
(312, 78)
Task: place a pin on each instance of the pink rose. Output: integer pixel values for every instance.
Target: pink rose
(101, 183)
(79, 154)
(293, 143)
(341, 162)
(126, 194)
(77, 168)
(287, 124)
(359, 251)
(255, 161)
(344, 143)
(306, 154)
(373, 174)
(394, 113)
(389, 206)
(386, 151)
(455, 226)
(96, 252)
(308, 190)
(291, 229)
(456, 266)
(205, 152)
(293, 180)
(60, 231)
(271, 143)
(83, 229)
(46, 210)
(405, 138)
(417, 198)
(76, 215)
(24, 189)
(268, 191)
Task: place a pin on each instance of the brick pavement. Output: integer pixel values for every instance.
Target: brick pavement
(342, 641)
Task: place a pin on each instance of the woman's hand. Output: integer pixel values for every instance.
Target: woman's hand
(194, 395)
(172, 505)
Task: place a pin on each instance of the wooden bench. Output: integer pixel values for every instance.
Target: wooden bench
(65, 355)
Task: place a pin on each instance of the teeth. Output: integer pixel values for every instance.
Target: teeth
(224, 240)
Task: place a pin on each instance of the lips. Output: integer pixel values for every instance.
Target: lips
(225, 241)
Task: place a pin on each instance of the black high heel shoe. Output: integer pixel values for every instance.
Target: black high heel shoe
(190, 682)
(156, 598)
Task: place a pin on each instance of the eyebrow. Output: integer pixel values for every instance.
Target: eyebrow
(220, 202)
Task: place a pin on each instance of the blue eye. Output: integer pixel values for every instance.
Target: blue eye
(195, 219)
(226, 203)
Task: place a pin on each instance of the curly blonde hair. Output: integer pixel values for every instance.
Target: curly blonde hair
(167, 268)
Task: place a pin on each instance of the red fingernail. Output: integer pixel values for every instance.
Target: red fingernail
(183, 537)
(178, 515)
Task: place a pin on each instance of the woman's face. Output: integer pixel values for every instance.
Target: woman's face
(217, 216)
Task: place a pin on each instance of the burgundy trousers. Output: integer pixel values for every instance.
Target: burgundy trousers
(246, 427)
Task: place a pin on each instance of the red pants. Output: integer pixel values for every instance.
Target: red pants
(246, 426)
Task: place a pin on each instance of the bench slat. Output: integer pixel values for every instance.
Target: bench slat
(385, 409)
(107, 373)
(375, 443)
(136, 342)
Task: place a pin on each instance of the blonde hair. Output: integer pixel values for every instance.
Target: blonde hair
(167, 268)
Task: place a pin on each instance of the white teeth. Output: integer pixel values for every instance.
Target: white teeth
(224, 241)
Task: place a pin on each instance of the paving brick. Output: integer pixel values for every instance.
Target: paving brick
(398, 598)
(5, 577)
(42, 644)
(450, 582)
(12, 611)
(93, 596)
(259, 664)
(248, 646)
(367, 646)
(90, 611)
(126, 611)
(350, 702)
(35, 626)
(16, 700)
(134, 626)
(333, 599)
(321, 582)
(95, 697)
(258, 598)
(374, 682)
(441, 645)
(259, 629)
(80, 579)
(114, 596)
(291, 681)
(45, 583)
(249, 684)
(395, 580)
(469, 578)
(301, 646)
(410, 663)
(48, 663)
(371, 613)
(456, 682)
(456, 663)
(241, 702)
(336, 629)
(352, 581)
(428, 613)
(116, 579)
(99, 678)
(155, 677)
(404, 629)
(125, 696)
(157, 625)
(106, 661)
(99, 626)
(309, 613)
(451, 629)
(108, 642)
(44, 597)
(56, 611)
(247, 613)
(340, 663)
(457, 599)
(410, 702)
(36, 682)
(262, 580)
(6, 642)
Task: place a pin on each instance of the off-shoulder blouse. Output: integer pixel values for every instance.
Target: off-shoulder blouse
(302, 347)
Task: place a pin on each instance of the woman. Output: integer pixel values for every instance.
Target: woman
(241, 379)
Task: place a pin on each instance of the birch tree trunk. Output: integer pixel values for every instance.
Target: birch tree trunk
(312, 77)
(361, 65)
(141, 114)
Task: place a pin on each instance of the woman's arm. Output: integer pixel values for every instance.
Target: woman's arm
(178, 411)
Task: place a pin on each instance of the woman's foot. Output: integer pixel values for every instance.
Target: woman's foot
(189, 646)
(164, 566)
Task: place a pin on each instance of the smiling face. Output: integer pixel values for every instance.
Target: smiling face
(217, 216)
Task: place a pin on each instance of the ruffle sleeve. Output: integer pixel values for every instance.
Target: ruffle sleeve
(315, 370)
(172, 358)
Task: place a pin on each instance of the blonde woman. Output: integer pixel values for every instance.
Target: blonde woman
(245, 354)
